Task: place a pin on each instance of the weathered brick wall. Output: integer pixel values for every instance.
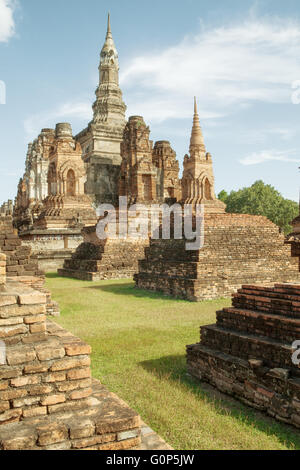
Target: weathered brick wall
(238, 249)
(112, 258)
(18, 258)
(248, 352)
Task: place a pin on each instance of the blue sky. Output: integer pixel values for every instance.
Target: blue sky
(240, 58)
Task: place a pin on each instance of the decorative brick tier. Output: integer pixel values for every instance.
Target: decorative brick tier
(47, 398)
(248, 352)
(238, 249)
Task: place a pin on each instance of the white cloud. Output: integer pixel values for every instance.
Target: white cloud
(270, 155)
(7, 23)
(67, 112)
(224, 67)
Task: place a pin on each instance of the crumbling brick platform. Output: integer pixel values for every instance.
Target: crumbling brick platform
(238, 249)
(47, 397)
(248, 352)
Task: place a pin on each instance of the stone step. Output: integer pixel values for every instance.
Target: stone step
(170, 269)
(123, 273)
(274, 326)
(279, 300)
(105, 423)
(105, 264)
(246, 346)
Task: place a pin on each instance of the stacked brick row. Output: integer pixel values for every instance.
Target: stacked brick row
(18, 258)
(47, 398)
(238, 249)
(248, 353)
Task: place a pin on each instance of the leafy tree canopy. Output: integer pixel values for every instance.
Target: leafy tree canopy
(262, 199)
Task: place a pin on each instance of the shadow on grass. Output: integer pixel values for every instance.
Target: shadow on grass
(52, 275)
(128, 288)
(174, 368)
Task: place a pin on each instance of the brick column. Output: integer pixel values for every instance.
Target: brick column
(2, 270)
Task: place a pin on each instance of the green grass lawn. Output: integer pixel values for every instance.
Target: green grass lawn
(138, 340)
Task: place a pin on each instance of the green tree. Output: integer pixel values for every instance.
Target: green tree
(223, 195)
(262, 199)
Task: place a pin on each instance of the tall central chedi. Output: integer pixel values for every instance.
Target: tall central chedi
(101, 140)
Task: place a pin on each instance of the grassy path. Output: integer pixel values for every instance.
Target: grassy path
(138, 340)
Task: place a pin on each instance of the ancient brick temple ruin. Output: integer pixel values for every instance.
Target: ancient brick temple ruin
(238, 248)
(65, 176)
(101, 140)
(47, 397)
(249, 352)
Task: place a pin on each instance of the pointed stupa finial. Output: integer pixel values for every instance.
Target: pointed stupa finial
(109, 33)
(197, 140)
(108, 23)
(195, 105)
(109, 44)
